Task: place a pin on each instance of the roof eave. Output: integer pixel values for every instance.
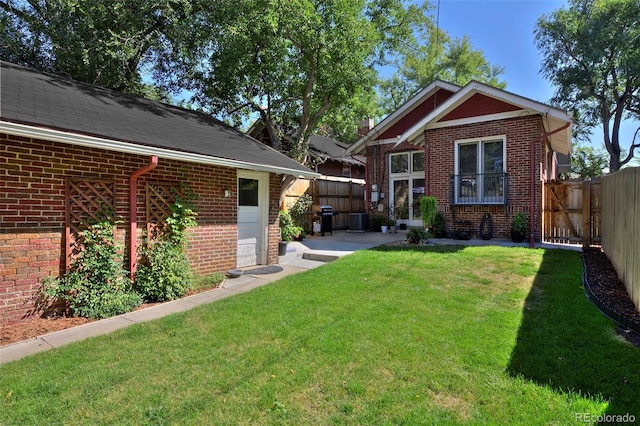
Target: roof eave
(133, 148)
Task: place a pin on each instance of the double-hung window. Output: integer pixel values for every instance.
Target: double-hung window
(480, 171)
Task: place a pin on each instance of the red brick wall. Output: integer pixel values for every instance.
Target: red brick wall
(440, 143)
(32, 212)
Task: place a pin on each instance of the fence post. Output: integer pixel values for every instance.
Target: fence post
(586, 214)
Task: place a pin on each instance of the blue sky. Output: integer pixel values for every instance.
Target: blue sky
(503, 30)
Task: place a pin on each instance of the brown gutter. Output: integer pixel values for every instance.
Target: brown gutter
(532, 187)
(133, 209)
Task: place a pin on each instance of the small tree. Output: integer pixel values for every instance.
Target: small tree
(591, 54)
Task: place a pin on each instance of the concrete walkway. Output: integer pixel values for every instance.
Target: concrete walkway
(310, 253)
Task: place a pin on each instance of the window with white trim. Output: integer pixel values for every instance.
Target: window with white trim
(480, 171)
(407, 183)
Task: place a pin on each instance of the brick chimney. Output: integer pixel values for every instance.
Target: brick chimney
(364, 126)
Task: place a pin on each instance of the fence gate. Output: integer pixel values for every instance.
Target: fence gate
(571, 212)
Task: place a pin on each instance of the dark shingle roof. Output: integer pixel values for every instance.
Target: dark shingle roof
(49, 101)
(327, 148)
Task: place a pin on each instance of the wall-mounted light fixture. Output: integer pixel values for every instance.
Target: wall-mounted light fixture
(227, 193)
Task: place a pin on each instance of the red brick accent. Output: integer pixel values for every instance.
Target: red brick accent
(32, 211)
(520, 133)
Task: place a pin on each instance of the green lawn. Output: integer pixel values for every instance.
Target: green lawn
(446, 335)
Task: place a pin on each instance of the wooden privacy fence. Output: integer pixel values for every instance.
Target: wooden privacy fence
(343, 194)
(572, 212)
(621, 227)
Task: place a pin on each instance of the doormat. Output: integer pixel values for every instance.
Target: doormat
(264, 270)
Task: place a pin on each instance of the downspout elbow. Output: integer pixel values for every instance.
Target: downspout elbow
(133, 209)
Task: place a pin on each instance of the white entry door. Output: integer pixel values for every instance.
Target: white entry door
(253, 202)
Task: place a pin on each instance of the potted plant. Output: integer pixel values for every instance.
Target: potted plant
(392, 226)
(402, 214)
(288, 231)
(519, 228)
(384, 225)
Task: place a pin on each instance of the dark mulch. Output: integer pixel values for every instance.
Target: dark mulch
(609, 294)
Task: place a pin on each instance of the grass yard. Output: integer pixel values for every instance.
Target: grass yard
(438, 335)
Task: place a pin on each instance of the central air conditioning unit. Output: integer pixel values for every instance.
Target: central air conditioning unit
(358, 222)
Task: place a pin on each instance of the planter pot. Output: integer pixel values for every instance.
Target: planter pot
(384, 229)
(516, 236)
(393, 229)
(282, 248)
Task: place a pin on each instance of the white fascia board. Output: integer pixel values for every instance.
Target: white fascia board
(528, 107)
(480, 119)
(132, 148)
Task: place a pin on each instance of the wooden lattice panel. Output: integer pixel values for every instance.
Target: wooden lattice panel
(86, 202)
(160, 197)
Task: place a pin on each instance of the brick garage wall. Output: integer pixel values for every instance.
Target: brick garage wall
(520, 133)
(32, 212)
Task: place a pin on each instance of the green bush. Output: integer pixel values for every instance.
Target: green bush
(439, 224)
(96, 285)
(300, 209)
(288, 231)
(377, 222)
(164, 272)
(416, 235)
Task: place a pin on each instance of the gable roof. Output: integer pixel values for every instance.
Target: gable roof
(47, 106)
(330, 149)
(504, 104)
(425, 97)
(478, 102)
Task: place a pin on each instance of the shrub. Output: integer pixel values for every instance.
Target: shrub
(519, 224)
(96, 285)
(288, 231)
(377, 221)
(439, 223)
(300, 209)
(428, 210)
(416, 235)
(164, 272)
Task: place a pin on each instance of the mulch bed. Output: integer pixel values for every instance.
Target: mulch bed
(608, 293)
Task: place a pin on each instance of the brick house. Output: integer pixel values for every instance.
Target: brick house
(477, 149)
(68, 147)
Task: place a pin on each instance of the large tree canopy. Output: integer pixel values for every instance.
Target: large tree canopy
(591, 53)
(105, 43)
(435, 56)
(300, 66)
(291, 63)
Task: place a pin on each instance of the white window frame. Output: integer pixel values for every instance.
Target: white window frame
(409, 176)
(480, 142)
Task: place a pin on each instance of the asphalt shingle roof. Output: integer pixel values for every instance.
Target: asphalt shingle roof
(50, 101)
